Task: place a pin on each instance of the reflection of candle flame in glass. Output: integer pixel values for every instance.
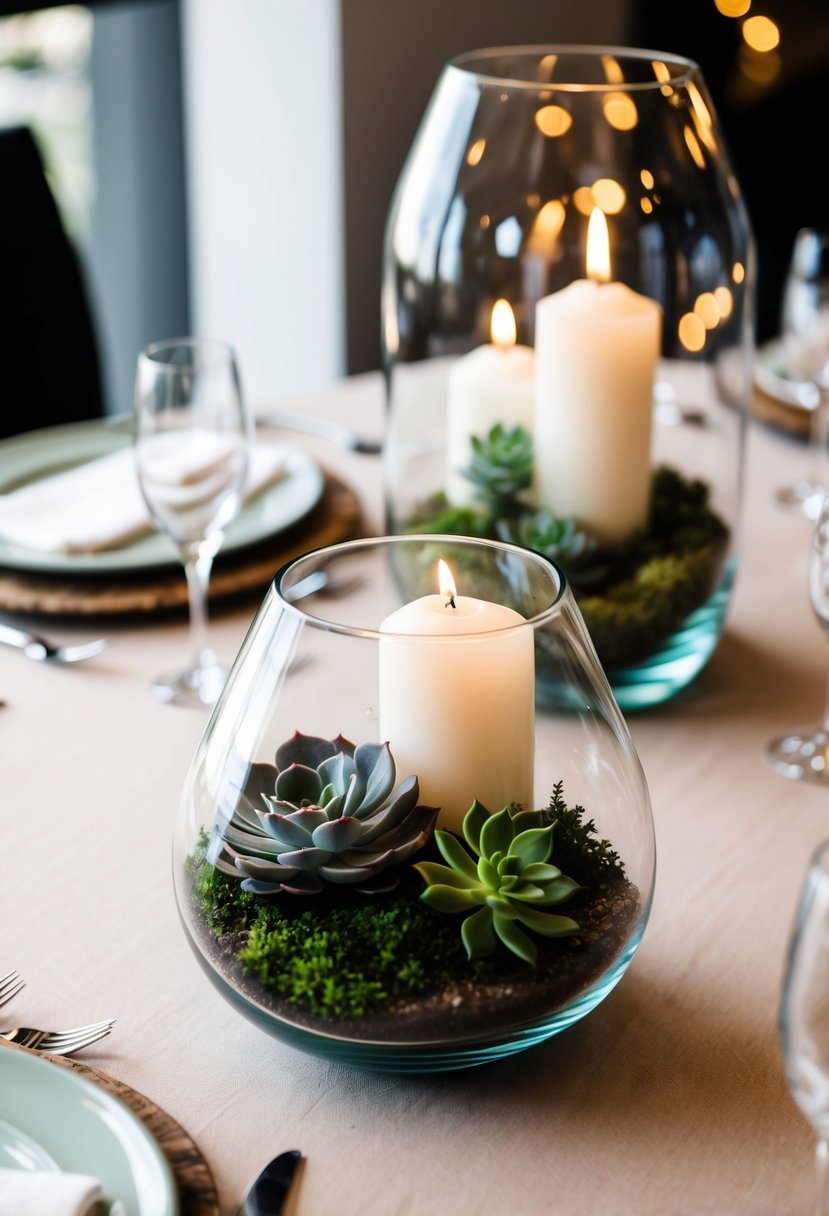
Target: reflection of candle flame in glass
(553, 121)
(446, 581)
(473, 156)
(502, 325)
(598, 247)
(694, 148)
(609, 195)
(620, 111)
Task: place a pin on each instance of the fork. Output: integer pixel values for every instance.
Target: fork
(58, 1042)
(35, 647)
(10, 985)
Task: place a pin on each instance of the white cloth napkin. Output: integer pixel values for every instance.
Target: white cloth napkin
(99, 505)
(41, 1193)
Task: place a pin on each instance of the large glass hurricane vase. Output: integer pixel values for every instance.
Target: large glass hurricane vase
(618, 376)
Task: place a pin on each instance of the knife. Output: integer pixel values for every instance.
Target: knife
(269, 1191)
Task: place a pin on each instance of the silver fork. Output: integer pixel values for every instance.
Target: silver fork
(10, 985)
(58, 1042)
(35, 647)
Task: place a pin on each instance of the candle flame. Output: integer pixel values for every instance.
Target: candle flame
(502, 325)
(598, 247)
(446, 582)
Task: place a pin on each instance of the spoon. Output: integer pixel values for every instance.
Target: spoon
(36, 647)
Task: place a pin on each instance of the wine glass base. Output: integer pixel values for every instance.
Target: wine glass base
(804, 495)
(801, 755)
(196, 687)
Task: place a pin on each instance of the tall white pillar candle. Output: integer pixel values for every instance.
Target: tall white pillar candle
(493, 383)
(596, 346)
(457, 702)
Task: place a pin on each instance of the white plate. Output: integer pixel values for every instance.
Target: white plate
(773, 378)
(27, 458)
(49, 1114)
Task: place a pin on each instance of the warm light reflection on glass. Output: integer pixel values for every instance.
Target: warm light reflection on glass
(553, 121)
(609, 195)
(546, 67)
(612, 69)
(694, 148)
(646, 205)
(646, 178)
(549, 222)
(660, 71)
(761, 33)
(533, 200)
(725, 301)
(733, 8)
(473, 156)
(502, 325)
(702, 117)
(485, 222)
(583, 200)
(691, 332)
(738, 272)
(598, 247)
(620, 111)
(707, 309)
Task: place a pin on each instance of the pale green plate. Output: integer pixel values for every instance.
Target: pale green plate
(27, 458)
(51, 1115)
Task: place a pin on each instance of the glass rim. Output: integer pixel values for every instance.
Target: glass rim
(474, 63)
(343, 548)
(204, 352)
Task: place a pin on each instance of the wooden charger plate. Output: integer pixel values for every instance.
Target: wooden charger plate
(196, 1188)
(336, 517)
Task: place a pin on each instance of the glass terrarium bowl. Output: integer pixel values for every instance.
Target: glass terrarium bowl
(584, 397)
(362, 915)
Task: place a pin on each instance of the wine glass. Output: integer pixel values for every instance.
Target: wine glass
(804, 753)
(804, 1013)
(192, 440)
(805, 333)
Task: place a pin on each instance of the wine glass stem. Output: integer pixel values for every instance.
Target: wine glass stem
(198, 564)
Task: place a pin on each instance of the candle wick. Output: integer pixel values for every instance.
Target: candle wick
(450, 603)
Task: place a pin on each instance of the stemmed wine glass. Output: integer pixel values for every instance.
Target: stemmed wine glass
(804, 1014)
(805, 333)
(192, 440)
(804, 753)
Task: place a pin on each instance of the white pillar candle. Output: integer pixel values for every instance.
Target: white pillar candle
(493, 383)
(596, 346)
(457, 702)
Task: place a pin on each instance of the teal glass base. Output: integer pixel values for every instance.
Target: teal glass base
(665, 674)
(662, 675)
(449, 1055)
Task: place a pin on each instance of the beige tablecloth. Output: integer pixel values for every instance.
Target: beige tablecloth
(668, 1100)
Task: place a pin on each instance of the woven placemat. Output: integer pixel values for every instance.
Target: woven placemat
(336, 517)
(196, 1189)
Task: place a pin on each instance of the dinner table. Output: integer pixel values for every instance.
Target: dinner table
(668, 1099)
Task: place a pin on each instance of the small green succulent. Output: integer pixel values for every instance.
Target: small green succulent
(507, 886)
(559, 539)
(502, 463)
(325, 812)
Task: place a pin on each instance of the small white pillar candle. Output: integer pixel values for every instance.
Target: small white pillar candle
(493, 383)
(596, 344)
(457, 702)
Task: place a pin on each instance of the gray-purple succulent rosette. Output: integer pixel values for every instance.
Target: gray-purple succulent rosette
(326, 811)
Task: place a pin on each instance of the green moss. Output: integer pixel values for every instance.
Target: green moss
(344, 955)
(634, 596)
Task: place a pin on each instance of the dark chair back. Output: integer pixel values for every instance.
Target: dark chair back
(49, 358)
